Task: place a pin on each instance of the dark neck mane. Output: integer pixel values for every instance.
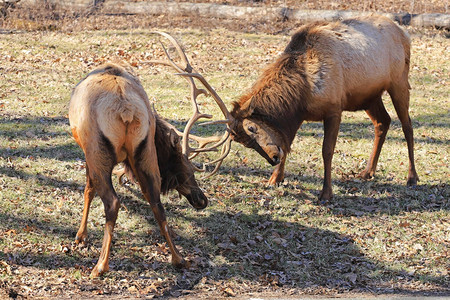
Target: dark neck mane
(170, 162)
(280, 96)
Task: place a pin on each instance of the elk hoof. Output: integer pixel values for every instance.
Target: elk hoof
(181, 263)
(365, 175)
(99, 271)
(325, 196)
(80, 240)
(271, 182)
(275, 179)
(412, 181)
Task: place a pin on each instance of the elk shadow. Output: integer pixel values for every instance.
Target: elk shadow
(252, 248)
(39, 131)
(262, 250)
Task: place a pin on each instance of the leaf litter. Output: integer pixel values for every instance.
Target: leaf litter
(376, 237)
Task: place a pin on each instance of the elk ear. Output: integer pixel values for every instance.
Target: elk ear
(174, 138)
(245, 108)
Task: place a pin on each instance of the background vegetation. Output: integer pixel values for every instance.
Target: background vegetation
(374, 237)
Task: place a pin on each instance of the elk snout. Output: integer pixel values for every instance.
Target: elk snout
(275, 153)
(197, 199)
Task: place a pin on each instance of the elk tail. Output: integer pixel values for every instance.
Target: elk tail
(127, 115)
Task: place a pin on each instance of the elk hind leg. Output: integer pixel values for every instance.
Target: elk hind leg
(100, 161)
(89, 193)
(381, 121)
(111, 205)
(145, 167)
(400, 97)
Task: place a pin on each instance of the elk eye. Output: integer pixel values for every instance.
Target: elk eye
(252, 129)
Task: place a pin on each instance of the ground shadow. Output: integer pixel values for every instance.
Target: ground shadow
(289, 254)
(39, 131)
(263, 249)
(41, 179)
(248, 248)
(353, 196)
(254, 248)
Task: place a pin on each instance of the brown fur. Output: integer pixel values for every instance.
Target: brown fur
(328, 68)
(112, 121)
(174, 168)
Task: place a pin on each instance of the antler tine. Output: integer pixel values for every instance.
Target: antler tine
(187, 72)
(219, 102)
(212, 92)
(226, 148)
(187, 66)
(195, 92)
(202, 142)
(219, 142)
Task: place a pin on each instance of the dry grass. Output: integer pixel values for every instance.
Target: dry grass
(375, 237)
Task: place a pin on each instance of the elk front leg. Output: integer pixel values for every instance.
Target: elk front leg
(89, 193)
(278, 172)
(331, 129)
(177, 259)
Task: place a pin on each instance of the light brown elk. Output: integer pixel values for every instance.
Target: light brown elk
(112, 121)
(328, 68)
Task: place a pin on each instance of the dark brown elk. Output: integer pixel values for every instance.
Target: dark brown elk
(328, 68)
(112, 121)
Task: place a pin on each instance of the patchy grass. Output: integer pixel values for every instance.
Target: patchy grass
(376, 236)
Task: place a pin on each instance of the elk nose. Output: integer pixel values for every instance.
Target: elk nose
(276, 160)
(197, 199)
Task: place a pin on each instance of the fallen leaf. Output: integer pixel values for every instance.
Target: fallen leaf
(4, 265)
(229, 291)
(404, 224)
(10, 232)
(418, 247)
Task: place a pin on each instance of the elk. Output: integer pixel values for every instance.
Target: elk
(328, 68)
(112, 121)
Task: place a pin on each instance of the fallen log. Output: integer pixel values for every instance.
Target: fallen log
(266, 13)
(214, 10)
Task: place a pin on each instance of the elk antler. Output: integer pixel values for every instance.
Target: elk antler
(186, 71)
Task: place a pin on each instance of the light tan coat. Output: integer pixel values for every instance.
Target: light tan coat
(112, 121)
(328, 68)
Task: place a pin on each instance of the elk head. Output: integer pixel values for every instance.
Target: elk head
(175, 169)
(265, 118)
(257, 135)
(253, 131)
